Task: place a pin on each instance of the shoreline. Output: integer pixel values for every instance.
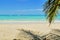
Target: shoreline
(25, 22)
(13, 21)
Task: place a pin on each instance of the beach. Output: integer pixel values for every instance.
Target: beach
(9, 29)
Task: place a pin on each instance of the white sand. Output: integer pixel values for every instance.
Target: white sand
(8, 29)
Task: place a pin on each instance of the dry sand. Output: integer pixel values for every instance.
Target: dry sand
(8, 29)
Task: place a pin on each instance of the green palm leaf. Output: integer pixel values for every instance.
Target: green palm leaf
(50, 8)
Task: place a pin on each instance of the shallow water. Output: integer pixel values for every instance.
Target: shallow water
(17, 17)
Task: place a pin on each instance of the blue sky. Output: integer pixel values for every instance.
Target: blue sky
(21, 7)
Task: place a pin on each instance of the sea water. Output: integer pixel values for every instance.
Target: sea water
(26, 17)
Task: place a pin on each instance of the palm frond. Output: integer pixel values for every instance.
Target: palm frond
(50, 8)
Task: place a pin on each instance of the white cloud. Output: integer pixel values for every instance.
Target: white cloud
(26, 11)
(29, 10)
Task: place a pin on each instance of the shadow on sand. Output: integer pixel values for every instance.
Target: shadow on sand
(27, 35)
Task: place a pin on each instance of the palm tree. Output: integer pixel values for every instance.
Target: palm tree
(51, 7)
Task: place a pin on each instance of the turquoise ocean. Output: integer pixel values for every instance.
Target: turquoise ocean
(25, 17)
(22, 18)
